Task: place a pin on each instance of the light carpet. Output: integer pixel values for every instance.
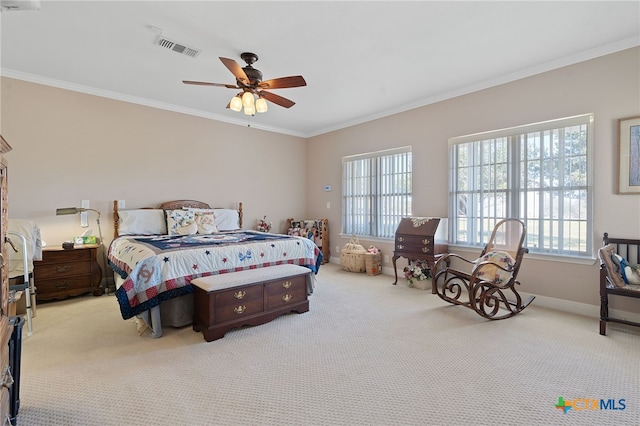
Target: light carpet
(367, 353)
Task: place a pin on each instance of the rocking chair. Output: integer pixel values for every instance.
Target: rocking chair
(492, 278)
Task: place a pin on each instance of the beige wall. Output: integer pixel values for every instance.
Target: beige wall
(69, 146)
(608, 86)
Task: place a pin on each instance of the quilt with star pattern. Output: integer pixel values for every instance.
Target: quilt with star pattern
(158, 268)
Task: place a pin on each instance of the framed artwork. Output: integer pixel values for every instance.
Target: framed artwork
(629, 155)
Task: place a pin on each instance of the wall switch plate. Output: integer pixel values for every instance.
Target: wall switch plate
(337, 249)
(328, 204)
(83, 215)
(386, 258)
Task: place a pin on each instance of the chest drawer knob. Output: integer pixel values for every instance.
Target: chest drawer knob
(61, 284)
(240, 294)
(63, 268)
(399, 246)
(287, 297)
(426, 249)
(286, 284)
(240, 309)
(400, 239)
(426, 241)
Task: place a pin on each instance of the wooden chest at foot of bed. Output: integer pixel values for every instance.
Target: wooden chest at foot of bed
(252, 297)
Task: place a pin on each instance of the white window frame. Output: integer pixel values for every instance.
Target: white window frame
(376, 192)
(557, 224)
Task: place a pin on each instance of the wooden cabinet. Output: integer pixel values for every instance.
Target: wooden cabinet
(6, 328)
(420, 238)
(63, 273)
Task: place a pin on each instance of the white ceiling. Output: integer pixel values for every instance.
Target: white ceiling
(361, 60)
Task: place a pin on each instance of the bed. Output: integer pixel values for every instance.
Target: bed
(158, 251)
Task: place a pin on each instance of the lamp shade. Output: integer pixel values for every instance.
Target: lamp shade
(247, 100)
(75, 210)
(250, 110)
(261, 105)
(67, 210)
(235, 104)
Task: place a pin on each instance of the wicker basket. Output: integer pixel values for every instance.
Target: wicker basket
(352, 256)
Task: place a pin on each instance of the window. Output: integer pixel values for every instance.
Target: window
(540, 173)
(376, 192)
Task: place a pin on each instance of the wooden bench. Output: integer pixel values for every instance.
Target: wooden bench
(611, 283)
(251, 297)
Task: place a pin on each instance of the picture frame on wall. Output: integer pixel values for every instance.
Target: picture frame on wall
(629, 155)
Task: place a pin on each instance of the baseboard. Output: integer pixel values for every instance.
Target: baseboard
(570, 306)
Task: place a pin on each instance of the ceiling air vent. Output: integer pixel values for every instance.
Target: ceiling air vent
(9, 5)
(177, 47)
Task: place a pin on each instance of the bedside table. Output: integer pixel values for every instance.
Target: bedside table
(65, 273)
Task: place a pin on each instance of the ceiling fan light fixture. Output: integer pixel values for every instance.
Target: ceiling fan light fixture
(253, 95)
(247, 100)
(236, 104)
(261, 105)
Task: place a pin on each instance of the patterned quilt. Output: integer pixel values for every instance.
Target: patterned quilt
(157, 268)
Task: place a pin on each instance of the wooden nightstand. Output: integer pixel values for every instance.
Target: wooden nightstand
(64, 273)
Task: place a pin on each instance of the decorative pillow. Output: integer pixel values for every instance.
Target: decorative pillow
(492, 273)
(615, 275)
(181, 222)
(629, 274)
(142, 222)
(206, 222)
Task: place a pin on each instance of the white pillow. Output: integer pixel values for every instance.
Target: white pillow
(142, 222)
(227, 219)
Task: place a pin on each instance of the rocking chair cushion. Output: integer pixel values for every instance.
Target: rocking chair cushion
(487, 267)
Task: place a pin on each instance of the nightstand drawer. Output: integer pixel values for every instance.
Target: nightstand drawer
(63, 284)
(61, 270)
(49, 256)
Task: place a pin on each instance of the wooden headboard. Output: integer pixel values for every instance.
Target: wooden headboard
(170, 205)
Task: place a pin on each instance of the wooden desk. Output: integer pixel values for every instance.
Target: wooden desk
(420, 238)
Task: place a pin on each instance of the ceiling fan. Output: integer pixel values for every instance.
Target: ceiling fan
(249, 80)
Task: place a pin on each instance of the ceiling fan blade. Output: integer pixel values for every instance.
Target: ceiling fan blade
(278, 100)
(283, 82)
(204, 83)
(235, 69)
